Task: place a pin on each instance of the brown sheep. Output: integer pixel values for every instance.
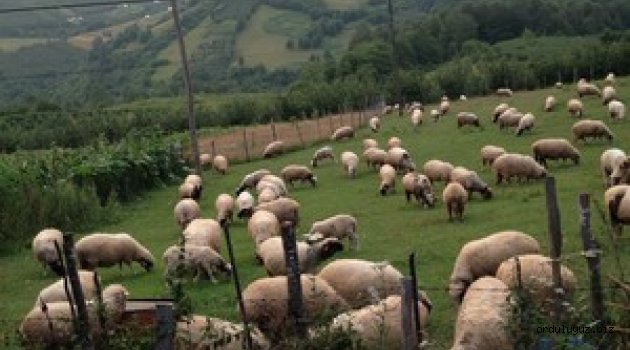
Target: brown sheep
(575, 107)
(455, 197)
(489, 153)
(520, 166)
(419, 186)
(292, 173)
(325, 152)
(617, 200)
(344, 132)
(285, 209)
(273, 149)
(437, 170)
(467, 118)
(471, 182)
(375, 157)
(587, 89)
(586, 128)
(544, 149)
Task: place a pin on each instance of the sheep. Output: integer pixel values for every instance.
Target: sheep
(361, 282)
(387, 110)
(399, 159)
(271, 252)
(471, 182)
(504, 92)
(56, 291)
(463, 98)
(550, 103)
(420, 186)
(416, 105)
(467, 118)
(498, 110)
(273, 149)
(444, 98)
(509, 118)
(274, 183)
(197, 183)
(107, 249)
(608, 94)
(394, 142)
(455, 197)
(616, 109)
(339, 226)
(369, 143)
(262, 226)
(344, 132)
(185, 211)
(224, 206)
(387, 173)
(444, 107)
(510, 165)
(285, 209)
(611, 161)
(266, 302)
(610, 79)
(619, 169)
(45, 252)
(202, 332)
(617, 200)
(375, 124)
(416, 117)
(591, 128)
(267, 195)
(482, 257)
(292, 173)
(489, 153)
(350, 162)
(187, 190)
(437, 170)
(575, 107)
(558, 85)
(220, 164)
(251, 180)
(202, 262)
(587, 89)
(244, 205)
(535, 277)
(204, 232)
(483, 318)
(525, 123)
(375, 157)
(435, 114)
(544, 149)
(325, 152)
(205, 159)
(380, 323)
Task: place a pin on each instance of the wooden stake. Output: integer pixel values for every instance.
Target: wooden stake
(245, 144)
(592, 258)
(416, 299)
(293, 278)
(297, 129)
(555, 239)
(165, 327)
(409, 340)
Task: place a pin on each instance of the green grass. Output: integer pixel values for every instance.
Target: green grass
(14, 44)
(287, 23)
(344, 4)
(389, 227)
(201, 100)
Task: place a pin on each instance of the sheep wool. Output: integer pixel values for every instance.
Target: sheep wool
(550, 103)
(301, 173)
(375, 124)
(263, 225)
(608, 94)
(325, 152)
(202, 332)
(575, 107)
(108, 249)
(589, 128)
(224, 205)
(204, 232)
(220, 164)
(344, 132)
(271, 252)
(44, 249)
(369, 143)
(273, 149)
(489, 153)
(455, 198)
(437, 170)
(200, 261)
(340, 226)
(616, 109)
(251, 180)
(416, 117)
(525, 123)
(387, 173)
(350, 162)
(245, 204)
(185, 211)
(285, 209)
(617, 200)
(544, 149)
(467, 118)
(375, 157)
(511, 165)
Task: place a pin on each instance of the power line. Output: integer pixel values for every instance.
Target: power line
(71, 6)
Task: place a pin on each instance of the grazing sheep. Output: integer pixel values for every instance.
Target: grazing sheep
(482, 257)
(205, 159)
(292, 173)
(362, 282)
(419, 186)
(435, 114)
(387, 173)
(617, 200)
(185, 211)
(483, 318)
(285, 209)
(498, 110)
(375, 157)
(387, 110)
(56, 291)
(416, 117)
(202, 262)
(444, 98)
(350, 162)
(415, 105)
(274, 183)
(204, 232)
(591, 128)
(610, 79)
(544, 149)
(510, 118)
(536, 277)
(197, 183)
(325, 152)
(45, 252)
(471, 182)
(108, 249)
(550, 103)
(616, 167)
(558, 85)
(520, 166)
(437, 170)
(463, 98)
(344, 132)
(262, 226)
(575, 107)
(444, 107)
(375, 124)
(220, 164)
(271, 252)
(340, 226)
(489, 153)
(616, 109)
(455, 197)
(609, 93)
(399, 159)
(369, 143)
(245, 205)
(393, 142)
(525, 123)
(467, 118)
(202, 332)
(273, 149)
(224, 206)
(504, 92)
(267, 195)
(187, 190)
(251, 180)
(266, 302)
(587, 89)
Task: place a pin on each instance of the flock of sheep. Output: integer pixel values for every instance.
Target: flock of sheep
(363, 295)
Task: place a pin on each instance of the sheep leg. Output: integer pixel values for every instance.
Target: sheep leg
(354, 240)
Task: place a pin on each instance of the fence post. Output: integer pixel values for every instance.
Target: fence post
(330, 121)
(555, 239)
(319, 135)
(165, 323)
(416, 299)
(274, 136)
(592, 258)
(213, 149)
(297, 129)
(293, 278)
(245, 144)
(409, 341)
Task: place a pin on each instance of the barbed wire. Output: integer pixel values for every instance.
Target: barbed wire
(71, 6)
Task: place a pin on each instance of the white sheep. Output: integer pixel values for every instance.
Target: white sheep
(294, 172)
(202, 262)
(251, 180)
(615, 166)
(369, 143)
(435, 114)
(375, 124)
(550, 103)
(344, 132)
(444, 107)
(185, 211)
(350, 162)
(437, 170)
(544, 149)
(220, 164)
(525, 123)
(197, 183)
(387, 174)
(586, 128)
(284, 208)
(467, 118)
(455, 198)
(45, 251)
(224, 206)
(339, 226)
(274, 183)
(616, 109)
(273, 149)
(187, 190)
(586, 89)
(267, 195)
(271, 252)
(56, 291)
(510, 165)
(416, 117)
(325, 152)
(575, 107)
(108, 249)
(419, 186)
(610, 79)
(205, 159)
(245, 204)
(510, 118)
(498, 110)
(608, 94)
(204, 232)
(617, 201)
(375, 157)
(399, 159)
(489, 153)
(394, 142)
(262, 226)
(504, 92)
(471, 181)
(202, 332)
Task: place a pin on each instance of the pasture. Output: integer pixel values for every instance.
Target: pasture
(389, 227)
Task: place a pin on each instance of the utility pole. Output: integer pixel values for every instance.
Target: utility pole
(392, 36)
(192, 122)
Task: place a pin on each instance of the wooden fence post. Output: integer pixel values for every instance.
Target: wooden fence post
(245, 144)
(319, 134)
(293, 278)
(416, 299)
(213, 149)
(409, 341)
(165, 325)
(592, 258)
(297, 129)
(330, 121)
(274, 135)
(555, 238)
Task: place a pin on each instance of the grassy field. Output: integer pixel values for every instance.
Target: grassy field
(201, 100)
(390, 228)
(14, 44)
(344, 4)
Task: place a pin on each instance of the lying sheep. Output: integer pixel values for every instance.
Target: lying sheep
(362, 282)
(375, 124)
(292, 173)
(509, 118)
(455, 197)
(471, 182)
(399, 159)
(609, 93)
(224, 206)
(220, 164)
(483, 318)
(550, 103)
(45, 251)
(245, 205)
(271, 252)
(350, 162)
(575, 107)
(482, 257)
(416, 117)
(489, 153)
(444, 107)
(325, 152)
(185, 211)
(419, 186)
(202, 332)
(56, 291)
(437, 170)
(375, 157)
(200, 261)
(108, 249)
(369, 143)
(586, 128)
(467, 118)
(344, 132)
(387, 174)
(617, 200)
(273, 182)
(525, 123)
(204, 232)
(251, 180)
(587, 89)
(285, 209)
(340, 226)
(520, 166)
(262, 226)
(616, 109)
(498, 110)
(504, 92)
(536, 277)
(544, 149)
(435, 114)
(393, 142)
(273, 149)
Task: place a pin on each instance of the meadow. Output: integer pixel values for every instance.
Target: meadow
(389, 227)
